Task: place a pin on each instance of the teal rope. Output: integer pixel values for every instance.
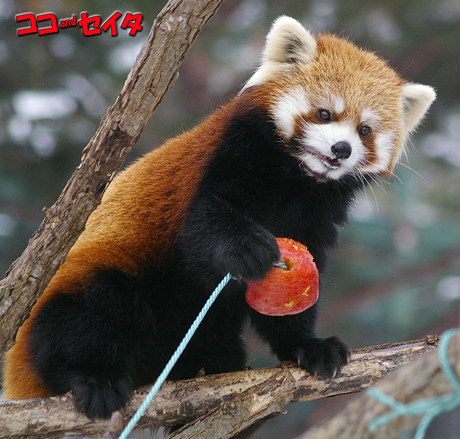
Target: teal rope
(180, 349)
(161, 379)
(428, 407)
(281, 265)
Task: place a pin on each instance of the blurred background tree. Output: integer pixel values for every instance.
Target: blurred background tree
(396, 273)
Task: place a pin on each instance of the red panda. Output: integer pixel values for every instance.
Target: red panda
(318, 121)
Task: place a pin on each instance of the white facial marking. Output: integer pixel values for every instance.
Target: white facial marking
(384, 143)
(287, 109)
(318, 140)
(338, 104)
(369, 117)
(333, 103)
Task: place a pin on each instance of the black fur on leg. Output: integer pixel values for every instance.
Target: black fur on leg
(323, 357)
(98, 398)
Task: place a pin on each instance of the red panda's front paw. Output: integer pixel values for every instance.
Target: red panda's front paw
(251, 256)
(323, 357)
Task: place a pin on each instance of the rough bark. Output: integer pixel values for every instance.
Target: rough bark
(421, 379)
(153, 73)
(226, 403)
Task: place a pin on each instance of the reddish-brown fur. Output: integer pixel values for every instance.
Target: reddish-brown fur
(118, 221)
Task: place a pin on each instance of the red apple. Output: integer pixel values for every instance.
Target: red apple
(286, 291)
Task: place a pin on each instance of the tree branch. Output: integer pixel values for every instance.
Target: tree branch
(155, 70)
(227, 403)
(421, 379)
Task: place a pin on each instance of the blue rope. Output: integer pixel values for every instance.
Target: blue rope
(428, 407)
(281, 265)
(161, 379)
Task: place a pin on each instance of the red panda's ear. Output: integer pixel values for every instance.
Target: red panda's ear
(287, 44)
(416, 99)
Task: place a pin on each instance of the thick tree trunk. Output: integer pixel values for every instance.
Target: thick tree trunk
(226, 403)
(155, 70)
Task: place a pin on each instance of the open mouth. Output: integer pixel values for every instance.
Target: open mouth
(329, 162)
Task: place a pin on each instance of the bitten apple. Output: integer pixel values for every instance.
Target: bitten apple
(290, 290)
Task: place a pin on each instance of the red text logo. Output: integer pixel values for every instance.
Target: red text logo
(89, 24)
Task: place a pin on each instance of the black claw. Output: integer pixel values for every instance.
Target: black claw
(324, 357)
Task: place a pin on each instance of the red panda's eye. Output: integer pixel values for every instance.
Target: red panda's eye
(364, 131)
(324, 115)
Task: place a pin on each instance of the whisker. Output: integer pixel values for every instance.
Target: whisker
(394, 175)
(375, 198)
(413, 170)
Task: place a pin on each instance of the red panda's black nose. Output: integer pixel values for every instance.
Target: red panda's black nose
(342, 150)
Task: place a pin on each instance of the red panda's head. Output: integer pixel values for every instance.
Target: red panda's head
(341, 109)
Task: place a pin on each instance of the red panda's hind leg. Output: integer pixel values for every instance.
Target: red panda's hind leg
(87, 340)
(98, 398)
